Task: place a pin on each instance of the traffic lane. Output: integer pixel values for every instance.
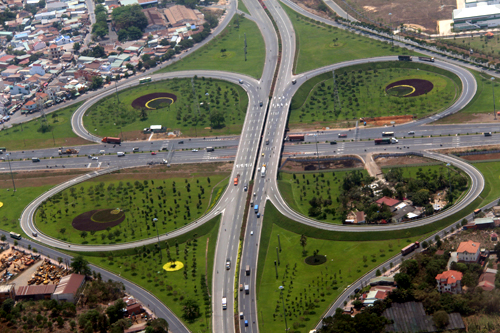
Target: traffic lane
(142, 295)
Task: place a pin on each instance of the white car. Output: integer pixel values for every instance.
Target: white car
(195, 150)
(251, 233)
(95, 157)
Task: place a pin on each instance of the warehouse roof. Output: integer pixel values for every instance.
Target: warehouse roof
(35, 290)
(479, 11)
(69, 284)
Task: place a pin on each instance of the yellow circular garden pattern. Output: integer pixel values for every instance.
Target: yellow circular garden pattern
(154, 101)
(402, 90)
(157, 101)
(409, 88)
(1, 204)
(173, 266)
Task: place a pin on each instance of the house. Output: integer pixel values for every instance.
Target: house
(392, 203)
(54, 52)
(35, 292)
(37, 69)
(375, 294)
(402, 212)
(67, 288)
(20, 89)
(468, 251)
(179, 15)
(487, 281)
(30, 106)
(134, 309)
(156, 19)
(360, 217)
(63, 40)
(7, 291)
(42, 96)
(449, 282)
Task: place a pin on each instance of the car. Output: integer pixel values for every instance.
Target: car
(241, 81)
(34, 234)
(411, 133)
(258, 215)
(333, 142)
(356, 290)
(246, 323)
(228, 264)
(102, 152)
(153, 153)
(245, 188)
(262, 154)
(95, 157)
(89, 156)
(195, 150)
(251, 233)
(181, 142)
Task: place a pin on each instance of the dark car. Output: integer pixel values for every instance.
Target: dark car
(333, 142)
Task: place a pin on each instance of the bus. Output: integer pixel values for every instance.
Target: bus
(14, 235)
(144, 80)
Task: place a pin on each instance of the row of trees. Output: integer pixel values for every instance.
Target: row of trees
(100, 28)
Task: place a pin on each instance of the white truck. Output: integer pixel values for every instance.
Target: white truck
(263, 171)
(224, 303)
(247, 289)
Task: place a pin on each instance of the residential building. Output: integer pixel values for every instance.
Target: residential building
(390, 202)
(360, 217)
(179, 15)
(7, 291)
(23, 89)
(487, 281)
(30, 106)
(67, 288)
(63, 40)
(449, 282)
(37, 69)
(156, 19)
(468, 251)
(54, 52)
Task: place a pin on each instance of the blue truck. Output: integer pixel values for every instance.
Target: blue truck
(256, 208)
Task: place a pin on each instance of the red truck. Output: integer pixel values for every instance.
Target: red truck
(410, 248)
(108, 139)
(296, 137)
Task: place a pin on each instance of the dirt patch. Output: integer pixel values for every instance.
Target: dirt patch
(295, 165)
(134, 136)
(39, 178)
(381, 121)
(482, 157)
(403, 160)
(466, 149)
(154, 101)
(467, 118)
(409, 88)
(88, 221)
(313, 6)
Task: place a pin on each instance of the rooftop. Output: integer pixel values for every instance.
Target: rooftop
(468, 247)
(35, 290)
(450, 276)
(69, 284)
(387, 201)
(471, 12)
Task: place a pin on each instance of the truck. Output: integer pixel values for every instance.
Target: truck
(224, 303)
(487, 133)
(120, 154)
(263, 171)
(210, 148)
(429, 59)
(108, 139)
(410, 248)
(247, 289)
(247, 270)
(404, 58)
(342, 135)
(256, 208)
(236, 180)
(35, 159)
(387, 133)
(385, 141)
(296, 137)
(67, 151)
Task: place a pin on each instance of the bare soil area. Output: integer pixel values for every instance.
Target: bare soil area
(482, 157)
(467, 118)
(421, 14)
(404, 160)
(465, 149)
(312, 164)
(164, 172)
(313, 6)
(39, 178)
(370, 122)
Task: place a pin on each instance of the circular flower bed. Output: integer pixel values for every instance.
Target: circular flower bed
(1, 204)
(173, 266)
(154, 101)
(409, 88)
(96, 220)
(315, 260)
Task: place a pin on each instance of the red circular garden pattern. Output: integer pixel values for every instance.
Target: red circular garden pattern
(421, 86)
(144, 101)
(84, 222)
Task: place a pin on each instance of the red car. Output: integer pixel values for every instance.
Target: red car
(153, 153)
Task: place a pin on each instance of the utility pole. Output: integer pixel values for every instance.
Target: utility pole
(317, 152)
(11, 174)
(390, 27)
(245, 46)
(493, 90)
(116, 89)
(155, 220)
(336, 99)
(195, 99)
(283, 300)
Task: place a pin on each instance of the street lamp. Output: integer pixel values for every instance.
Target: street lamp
(155, 220)
(317, 151)
(11, 174)
(283, 300)
(493, 90)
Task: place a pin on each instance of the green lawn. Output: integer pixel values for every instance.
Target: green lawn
(13, 205)
(175, 202)
(310, 289)
(297, 192)
(232, 39)
(218, 108)
(482, 44)
(30, 135)
(362, 93)
(491, 174)
(320, 45)
(145, 268)
(242, 7)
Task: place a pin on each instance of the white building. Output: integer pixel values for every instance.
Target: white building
(67, 288)
(475, 3)
(482, 16)
(37, 69)
(20, 89)
(469, 251)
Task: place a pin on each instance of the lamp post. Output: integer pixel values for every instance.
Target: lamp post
(284, 312)
(317, 151)
(11, 174)
(155, 220)
(390, 26)
(493, 91)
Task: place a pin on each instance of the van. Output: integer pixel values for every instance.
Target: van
(294, 81)
(35, 159)
(135, 149)
(102, 151)
(120, 154)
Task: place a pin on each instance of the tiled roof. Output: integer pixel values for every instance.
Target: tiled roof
(468, 247)
(450, 276)
(388, 201)
(35, 290)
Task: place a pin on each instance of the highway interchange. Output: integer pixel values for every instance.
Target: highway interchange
(249, 152)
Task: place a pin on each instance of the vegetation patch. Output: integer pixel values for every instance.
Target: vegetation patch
(97, 220)
(154, 101)
(409, 88)
(315, 260)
